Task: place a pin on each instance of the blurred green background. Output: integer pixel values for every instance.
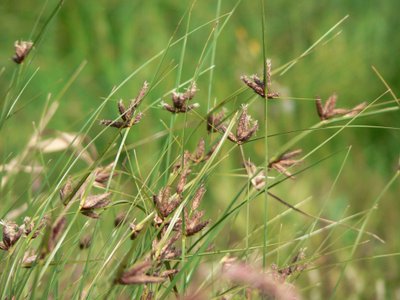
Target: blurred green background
(116, 37)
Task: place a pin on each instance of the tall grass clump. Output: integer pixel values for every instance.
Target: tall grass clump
(176, 184)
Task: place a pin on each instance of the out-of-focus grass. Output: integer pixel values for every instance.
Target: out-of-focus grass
(116, 37)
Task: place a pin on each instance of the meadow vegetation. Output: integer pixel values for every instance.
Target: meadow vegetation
(199, 150)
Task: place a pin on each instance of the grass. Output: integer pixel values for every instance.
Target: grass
(193, 185)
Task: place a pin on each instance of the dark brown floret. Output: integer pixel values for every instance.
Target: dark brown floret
(214, 121)
(245, 129)
(128, 115)
(258, 86)
(138, 275)
(11, 234)
(179, 101)
(93, 202)
(328, 111)
(285, 161)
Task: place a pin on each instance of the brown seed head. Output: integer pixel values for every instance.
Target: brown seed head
(128, 115)
(179, 101)
(166, 203)
(11, 234)
(137, 275)
(214, 121)
(66, 190)
(56, 231)
(85, 242)
(194, 223)
(198, 154)
(285, 161)
(198, 196)
(328, 111)
(22, 49)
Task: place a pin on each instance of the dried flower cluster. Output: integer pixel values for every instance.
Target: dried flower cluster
(128, 116)
(57, 229)
(281, 164)
(245, 129)
(22, 49)
(296, 266)
(149, 269)
(179, 101)
(285, 161)
(214, 121)
(167, 203)
(193, 221)
(328, 111)
(91, 203)
(12, 232)
(258, 86)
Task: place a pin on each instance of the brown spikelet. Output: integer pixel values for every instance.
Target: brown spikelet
(29, 259)
(257, 85)
(328, 111)
(93, 202)
(179, 101)
(214, 121)
(122, 110)
(137, 275)
(102, 175)
(166, 203)
(11, 234)
(356, 110)
(285, 161)
(29, 225)
(22, 49)
(56, 230)
(167, 252)
(194, 223)
(128, 116)
(245, 129)
(120, 219)
(198, 154)
(66, 190)
(182, 181)
(198, 196)
(295, 268)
